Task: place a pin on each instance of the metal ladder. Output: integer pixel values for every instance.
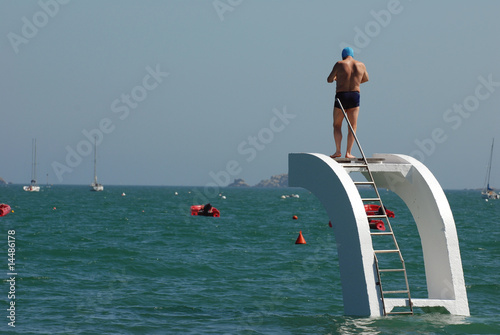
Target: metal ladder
(385, 247)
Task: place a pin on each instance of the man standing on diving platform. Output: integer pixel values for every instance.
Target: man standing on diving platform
(349, 75)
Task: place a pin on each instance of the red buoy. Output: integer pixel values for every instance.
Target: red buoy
(300, 239)
(295, 217)
(4, 209)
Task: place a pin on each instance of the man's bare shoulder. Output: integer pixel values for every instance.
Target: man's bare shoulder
(345, 61)
(359, 64)
(343, 64)
(339, 63)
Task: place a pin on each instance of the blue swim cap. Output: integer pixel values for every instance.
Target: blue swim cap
(347, 52)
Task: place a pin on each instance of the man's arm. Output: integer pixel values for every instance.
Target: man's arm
(333, 75)
(365, 76)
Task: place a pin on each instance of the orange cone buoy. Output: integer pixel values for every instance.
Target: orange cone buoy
(300, 239)
(295, 217)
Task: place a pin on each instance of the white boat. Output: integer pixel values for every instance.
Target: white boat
(488, 192)
(95, 186)
(33, 187)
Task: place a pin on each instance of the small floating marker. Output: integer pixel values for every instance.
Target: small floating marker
(54, 208)
(123, 194)
(330, 224)
(176, 193)
(223, 197)
(300, 239)
(295, 217)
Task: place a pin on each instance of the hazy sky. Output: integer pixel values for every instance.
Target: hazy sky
(192, 92)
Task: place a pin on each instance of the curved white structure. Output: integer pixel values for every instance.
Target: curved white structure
(423, 195)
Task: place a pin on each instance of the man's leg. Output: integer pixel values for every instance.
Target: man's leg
(352, 114)
(338, 117)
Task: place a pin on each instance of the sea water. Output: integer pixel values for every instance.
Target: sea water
(132, 260)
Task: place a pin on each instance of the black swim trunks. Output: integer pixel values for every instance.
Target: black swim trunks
(348, 99)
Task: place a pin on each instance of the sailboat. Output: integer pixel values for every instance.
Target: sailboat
(33, 187)
(95, 186)
(488, 192)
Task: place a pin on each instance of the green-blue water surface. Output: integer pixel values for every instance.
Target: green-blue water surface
(104, 263)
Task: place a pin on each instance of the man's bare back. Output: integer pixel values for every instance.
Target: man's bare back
(349, 74)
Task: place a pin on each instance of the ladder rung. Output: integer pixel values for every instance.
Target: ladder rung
(395, 292)
(382, 233)
(395, 313)
(391, 270)
(364, 183)
(354, 165)
(385, 251)
(370, 199)
(377, 216)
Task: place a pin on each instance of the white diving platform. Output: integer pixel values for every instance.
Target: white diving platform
(331, 183)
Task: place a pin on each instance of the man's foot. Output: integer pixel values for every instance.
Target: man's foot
(349, 156)
(335, 155)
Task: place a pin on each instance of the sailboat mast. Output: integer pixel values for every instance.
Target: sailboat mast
(95, 186)
(34, 167)
(95, 159)
(33, 160)
(489, 164)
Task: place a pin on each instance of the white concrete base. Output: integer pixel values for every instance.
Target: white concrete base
(423, 195)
